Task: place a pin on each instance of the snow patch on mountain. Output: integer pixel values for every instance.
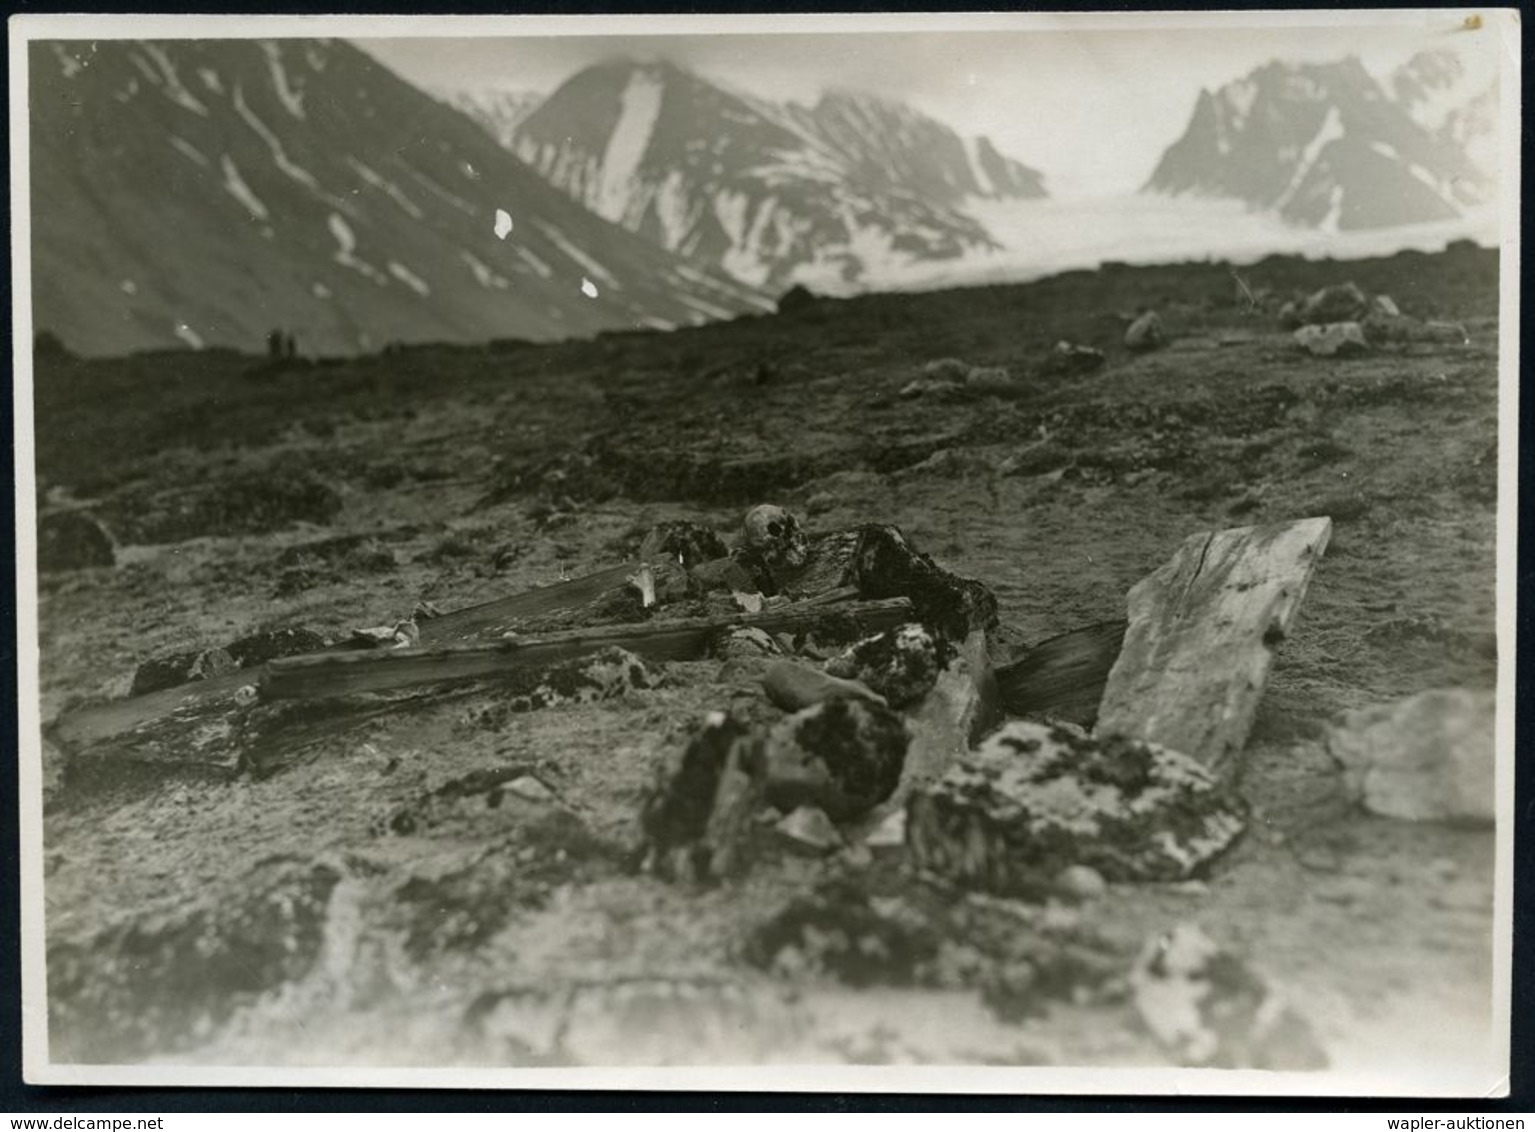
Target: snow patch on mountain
(408, 277)
(292, 100)
(639, 106)
(236, 187)
(577, 256)
(189, 151)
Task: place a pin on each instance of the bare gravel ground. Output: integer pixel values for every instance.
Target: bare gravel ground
(300, 919)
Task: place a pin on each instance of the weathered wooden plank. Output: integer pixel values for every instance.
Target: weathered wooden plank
(339, 674)
(1064, 676)
(173, 713)
(502, 614)
(1203, 630)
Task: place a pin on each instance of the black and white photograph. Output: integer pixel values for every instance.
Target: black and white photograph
(920, 552)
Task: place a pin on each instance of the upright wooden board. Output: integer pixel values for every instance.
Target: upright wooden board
(1203, 630)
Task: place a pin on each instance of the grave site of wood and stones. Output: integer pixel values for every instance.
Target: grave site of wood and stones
(796, 690)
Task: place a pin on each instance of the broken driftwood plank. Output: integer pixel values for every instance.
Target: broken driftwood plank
(1064, 676)
(1202, 634)
(341, 674)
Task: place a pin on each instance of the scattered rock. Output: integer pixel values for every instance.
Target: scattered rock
(900, 664)
(1379, 326)
(1337, 339)
(158, 984)
(1146, 332)
(957, 713)
(809, 830)
(530, 788)
(748, 643)
(1207, 1008)
(1067, 359)
(1289, 315)
(723, 575)
(951, 371)
(258, 648)
(698, 815)
(1020, 958)
(180, 668)
(774, 537)
(1429, 757)
(886, 565)
(844, 756)
(989, 379)
(1340, 303)
(1032, 800)
(797, 298)
(72, 540)
(840, 931)
(605, 675)
(794, 686)
(691, 544)
(925, 387)
(1386, 305)
(890, 834)
(1080, 882)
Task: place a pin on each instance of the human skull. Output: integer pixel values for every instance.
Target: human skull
(775, 536)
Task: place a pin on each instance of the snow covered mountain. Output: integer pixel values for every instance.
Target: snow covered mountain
(209, 191)
(771, 193)
(1328, 145)
(499, 111)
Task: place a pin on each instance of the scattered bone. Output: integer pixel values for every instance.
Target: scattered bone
(775, 537)
(793, 687)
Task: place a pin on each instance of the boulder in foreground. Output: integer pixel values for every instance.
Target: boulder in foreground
(1429, 757)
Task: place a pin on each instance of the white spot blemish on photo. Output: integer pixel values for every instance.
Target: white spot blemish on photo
(503, 224)
(189, 336)
(588, 288)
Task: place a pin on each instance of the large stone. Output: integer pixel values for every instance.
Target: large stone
(1339, 303)
(901, 664)
(1146, 332)
(844, 756)
(72, 540)
(180, 668)
(697, 818)
(258, 648)
(1068, 359)
(1429, 757)
(1032, 800)
(1335, 339)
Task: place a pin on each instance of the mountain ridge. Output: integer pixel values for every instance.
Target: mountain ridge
(1330, 146)
(772, 193)
(205, 192)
